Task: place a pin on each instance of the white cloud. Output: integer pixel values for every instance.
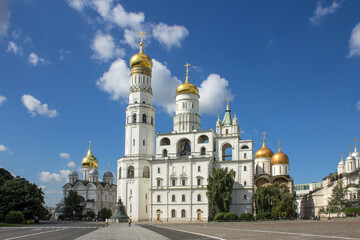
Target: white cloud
(358, 105)
(132, 38)
(78, 4)
(28, 41)
(116, 82)
(164, 86)
(71, 165)
(102, 6)
(61, 177)
(4, 18)
(12, 47)
(354, 43)
(213, 93)
(2, 99)
(125, 19)
(104, 47)
(34, 107)
(320, 12)
(64, 53)
(16, 33)
(169, 36)
(65, 156)
(4, 149)
(35, 59)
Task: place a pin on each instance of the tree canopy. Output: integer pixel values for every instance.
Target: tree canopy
(18, 194)
(73, 206)
(274, 200)
(337, 202)
(219, 189)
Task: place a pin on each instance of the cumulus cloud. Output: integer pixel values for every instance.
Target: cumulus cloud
(65, 156)
(358, 105)
(104, 47)
(2, 99)
(71, 164)
(4, 149)
(116, 82)
(16, 33)
(35, 59)
(78, 4)
(61, 177)
(131, 37)
(354, 43)
(34, 107)
(169, 36)
(214, 87)
(321, 12)
(12, 47)
(4, 18)
(64, 53)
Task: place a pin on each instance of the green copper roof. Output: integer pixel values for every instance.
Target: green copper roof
(227, 120)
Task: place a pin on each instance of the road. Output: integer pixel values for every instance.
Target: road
(49, 230)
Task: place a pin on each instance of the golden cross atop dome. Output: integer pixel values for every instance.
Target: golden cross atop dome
(108, 167)
(89, 144)
(342, 155)
(264, 134)
(141, 35)
(187, 71)
(349, 150)
(355, 139)
(279, 145)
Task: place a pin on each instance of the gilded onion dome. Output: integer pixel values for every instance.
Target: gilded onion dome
(140, 62)
(279, 158)
(264, 151)
(89, 160)
(187, 87)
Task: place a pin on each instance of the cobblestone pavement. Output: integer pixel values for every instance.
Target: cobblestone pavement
(121, 231)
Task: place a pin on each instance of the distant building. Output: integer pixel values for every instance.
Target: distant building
(309, 204)
(97, 194)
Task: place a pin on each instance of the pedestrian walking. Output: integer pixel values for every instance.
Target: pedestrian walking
(129, 222)
(106, 222)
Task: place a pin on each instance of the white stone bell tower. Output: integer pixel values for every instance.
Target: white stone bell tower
(134, 168)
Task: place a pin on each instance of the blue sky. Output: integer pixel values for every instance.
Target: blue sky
(290, 68)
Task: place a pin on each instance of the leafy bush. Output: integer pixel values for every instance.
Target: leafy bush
(229, 216)
(243, 217)
(89, 215)
(263, 216)
(104, 214)
(14, 217)
(219, 216)
(249, 217)
(349, 211)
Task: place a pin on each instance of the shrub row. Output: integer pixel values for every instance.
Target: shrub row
(229, 216)
(349, 211)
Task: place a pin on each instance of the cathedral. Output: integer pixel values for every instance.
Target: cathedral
(170, 184)
(97, 194)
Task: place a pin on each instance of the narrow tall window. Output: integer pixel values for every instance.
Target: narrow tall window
(244, 168)
(134, 118)
(144, 142)
(244, 155)
(158, 198)
(173, 198)
(158, 170)
(183, 182)
(198, 181)
(199, 169)
(183, 198)
(199, 197)
(144, 118)
(244, 183)
(183, 213)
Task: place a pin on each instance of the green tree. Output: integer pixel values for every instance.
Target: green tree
(89, 214)
(73, 206)
(274, 201)
(219, 189)
(104, 214)
(5, 175)
(14, 217)
(18, 194)
(337, 202)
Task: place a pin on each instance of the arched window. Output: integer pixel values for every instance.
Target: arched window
(244, 183)
(173, 198)
(226, 152)
(144, 118)
(173, 182)
(183, 198)
(119, 174)
(184, 147)
(244, 168)
(134, 118)
(130, 172)
(244, 155)
(199, 169)
(146, 172)
(158, 198)
(226, 131)
(245, 197)
(203, 139)
(165, 153)
(144, 142)
(199, 197)
(245, 147)
(202, 151)
(173, 213)
(164, 142)
(183, 213)
(183, 182)
(152, 121)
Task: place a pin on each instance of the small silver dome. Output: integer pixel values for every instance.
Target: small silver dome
(108, 174)
(94, 172)
(73, 174)
(350, 158)
(341, 162)
(356, 154)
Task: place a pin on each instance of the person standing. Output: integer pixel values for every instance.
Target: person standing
(129, 222)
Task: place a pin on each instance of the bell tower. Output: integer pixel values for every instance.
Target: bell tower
(134, 168)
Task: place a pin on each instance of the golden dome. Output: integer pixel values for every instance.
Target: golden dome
(264, 151)
(187, 87)
(141, 59)
(89, 160)
(279, 158)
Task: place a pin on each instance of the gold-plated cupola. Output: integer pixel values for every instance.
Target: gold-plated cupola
(264, 151)
(187, 87)
(140, 62)
(89, 160)
(279, 157)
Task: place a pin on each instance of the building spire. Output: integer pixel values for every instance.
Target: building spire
(349, 150)
(355, 139)
(187, 72)
(227, 104)
(279, 145)
(141, 41)
(342, 156)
